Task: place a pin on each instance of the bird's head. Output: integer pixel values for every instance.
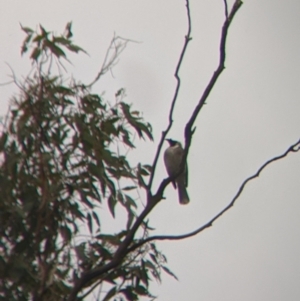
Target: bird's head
(172, 142)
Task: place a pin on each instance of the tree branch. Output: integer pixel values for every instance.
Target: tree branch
(116, 47)
(119, 255)
(164, 133)
(292, 149)
(226, 9)
(216, 74)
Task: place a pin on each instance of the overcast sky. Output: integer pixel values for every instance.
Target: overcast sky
(252, 252)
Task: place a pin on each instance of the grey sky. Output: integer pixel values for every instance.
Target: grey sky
(252, 252)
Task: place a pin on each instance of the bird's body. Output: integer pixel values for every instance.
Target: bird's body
(172, 157)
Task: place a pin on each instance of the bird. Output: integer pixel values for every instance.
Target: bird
(172, 158)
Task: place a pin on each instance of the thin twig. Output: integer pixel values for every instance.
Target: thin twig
(226, 9)
(164, 133)
(118, 45)
(6, 83)
(216, 74)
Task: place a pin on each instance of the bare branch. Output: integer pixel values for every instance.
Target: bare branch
(226, 9)
(164, 133)
(216, 74)
(292, 149)
(7, 83)
(116, 47)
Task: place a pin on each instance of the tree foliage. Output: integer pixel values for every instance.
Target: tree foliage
(63, 155)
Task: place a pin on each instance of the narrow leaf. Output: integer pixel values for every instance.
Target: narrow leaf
(26, 29)
(90, 223)
(111, 204)
(129, 188)
(169, 272)
(110, 294)
(96, 218)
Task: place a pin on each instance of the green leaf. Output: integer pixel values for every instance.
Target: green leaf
(43, 30)
(141, 181)
(144, 128)
(129, 188)
(126, 139)
(144, 172)
(96, 218)
(145, 224)
(130, 201)
(75, 48)
(119, 92)
(68, 30)
(26, 41)
(35, 53)
(130, 219)
(90, 223)
(148, 167)
(133, 121)
(110, 293)
(153, 257)
(96, 192)
(129, 293)
(61, 40)
(57, 51)
(26, 29)
(143, 273)
(141, 290)
(85, 200)
(108, 126)
(137, 113)
(111, 204)
(38, 39)
(120, 197)
(169, 272)
(3, 140)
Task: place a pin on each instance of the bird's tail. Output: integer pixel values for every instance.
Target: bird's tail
(183, 194)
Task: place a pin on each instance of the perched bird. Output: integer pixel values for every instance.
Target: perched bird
(172, 157)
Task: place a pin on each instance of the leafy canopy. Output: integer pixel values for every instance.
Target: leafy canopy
(60, 161)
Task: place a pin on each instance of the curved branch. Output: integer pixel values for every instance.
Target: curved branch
(292, 149)
(164, 133)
